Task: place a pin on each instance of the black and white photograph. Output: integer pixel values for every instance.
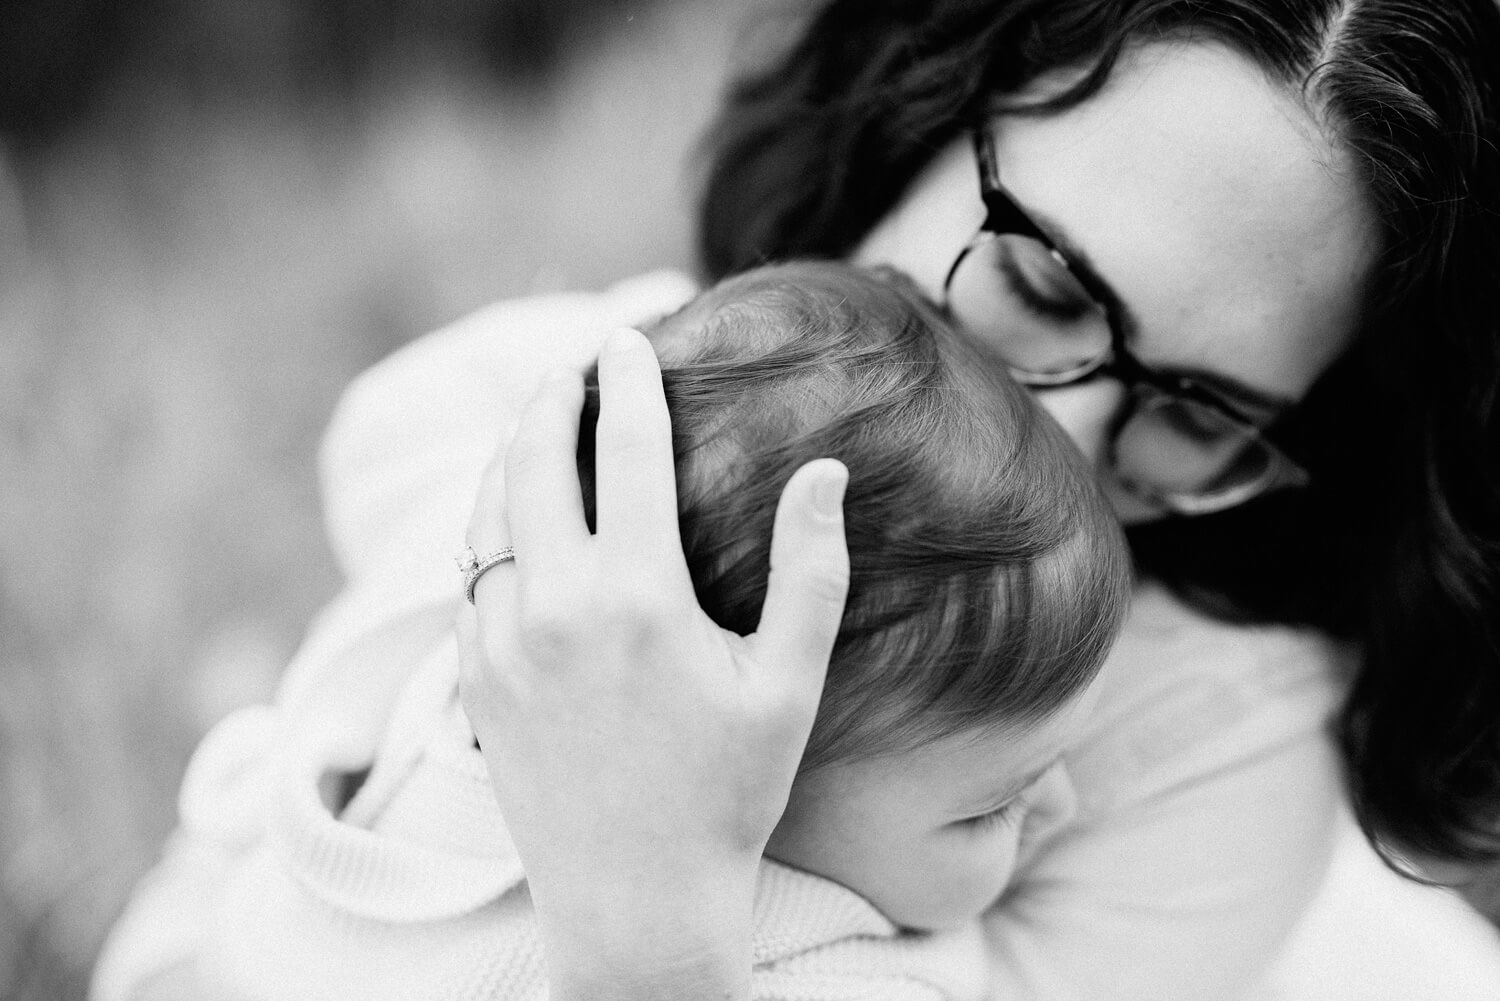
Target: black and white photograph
(777, 500)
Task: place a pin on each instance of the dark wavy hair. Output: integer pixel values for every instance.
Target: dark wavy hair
(987, 575)
(1397, 543)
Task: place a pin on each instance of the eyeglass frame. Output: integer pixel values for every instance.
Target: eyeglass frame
(1005, 216)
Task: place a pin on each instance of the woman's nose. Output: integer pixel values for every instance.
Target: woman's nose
(1087, 412)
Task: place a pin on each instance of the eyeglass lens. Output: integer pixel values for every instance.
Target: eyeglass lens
(1167, 445)
(1181, 447)
(1061, 331)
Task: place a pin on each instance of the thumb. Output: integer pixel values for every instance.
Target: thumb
(809, 573)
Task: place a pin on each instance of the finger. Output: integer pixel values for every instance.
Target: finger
(488, 531)
(543, 501)
(471, 658)
(636, 483)
(486, 632)
(809, 573)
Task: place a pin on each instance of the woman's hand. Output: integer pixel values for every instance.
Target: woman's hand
(641, 755)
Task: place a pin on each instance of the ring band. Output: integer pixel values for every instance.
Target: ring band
(473, 567)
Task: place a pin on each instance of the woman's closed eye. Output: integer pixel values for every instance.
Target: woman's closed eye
(1191, 422)
(1042, 285)
(1194, 422)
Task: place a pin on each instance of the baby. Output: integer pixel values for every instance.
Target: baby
(987, 573)
(987, 579)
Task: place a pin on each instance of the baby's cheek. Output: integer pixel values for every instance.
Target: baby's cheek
(991, 869)
(966, 872)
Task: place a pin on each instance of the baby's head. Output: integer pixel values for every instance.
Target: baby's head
(988, 575)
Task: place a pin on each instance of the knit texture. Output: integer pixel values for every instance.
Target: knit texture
(415, 890)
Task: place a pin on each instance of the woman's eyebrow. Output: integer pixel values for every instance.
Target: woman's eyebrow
(1257, 403)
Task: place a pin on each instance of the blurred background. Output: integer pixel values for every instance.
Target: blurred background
(212, 214)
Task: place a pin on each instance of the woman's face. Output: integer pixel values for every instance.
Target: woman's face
(1228, 226)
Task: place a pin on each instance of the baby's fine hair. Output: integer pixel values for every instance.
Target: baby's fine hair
(987, 574)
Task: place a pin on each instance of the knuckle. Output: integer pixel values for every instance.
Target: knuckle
(492, 480)
(636, 427)
(473, 679)
(653, 424)
(480, 689)
(785, 705)
(557, 614)
(489, 503)
(826, 584)
(478, 657)
(587, 612)
(520, 461)
(642, 609)
(547, 635)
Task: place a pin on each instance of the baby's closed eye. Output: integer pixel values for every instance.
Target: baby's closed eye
(1005, 813)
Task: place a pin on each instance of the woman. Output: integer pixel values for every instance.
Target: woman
(1254, 245)
(1289, 205)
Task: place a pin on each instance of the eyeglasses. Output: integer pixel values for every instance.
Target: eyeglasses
(1177, 443)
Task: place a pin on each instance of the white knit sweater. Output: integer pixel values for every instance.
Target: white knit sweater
(415, 890)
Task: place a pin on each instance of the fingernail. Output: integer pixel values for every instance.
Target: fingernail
(828, 495)
(622, 340)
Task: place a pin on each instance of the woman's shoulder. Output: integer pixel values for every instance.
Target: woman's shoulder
(554, 325)
(1168, 642)
(1184, 694)
(402, 457)
(501, 342)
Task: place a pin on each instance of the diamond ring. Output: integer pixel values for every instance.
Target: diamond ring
(473, 568)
